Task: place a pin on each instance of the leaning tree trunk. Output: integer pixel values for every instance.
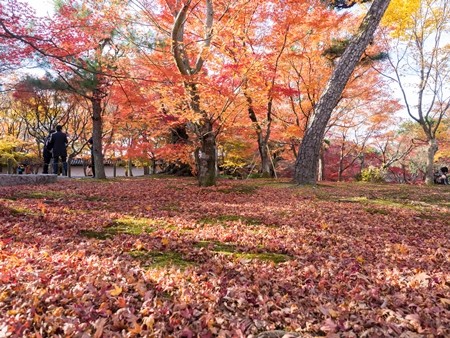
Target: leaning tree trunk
(432, 149)
(97, 131)
(306, 166)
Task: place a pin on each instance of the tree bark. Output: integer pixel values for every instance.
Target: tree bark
(206, 153)
(341, 160)
(306, 166)
(263, 140)
(266, 166)
(431, 151)
(97, 131)
(206, 157)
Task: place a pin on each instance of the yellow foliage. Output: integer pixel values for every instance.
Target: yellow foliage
(10, 149)
(401, 15)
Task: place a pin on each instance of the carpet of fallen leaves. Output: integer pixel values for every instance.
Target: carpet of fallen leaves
(162, 257)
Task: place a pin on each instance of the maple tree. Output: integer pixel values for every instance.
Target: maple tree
(43, 103)
(78, 41)
(171, 79)
(419, 49)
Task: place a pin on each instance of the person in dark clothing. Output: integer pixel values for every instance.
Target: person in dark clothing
(58, 144)
(444, 175)
(47, 153)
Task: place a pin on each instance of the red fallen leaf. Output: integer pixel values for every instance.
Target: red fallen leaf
(414, 319)
(99, 326)
(78, 273)
(186, 333)
(329, 326)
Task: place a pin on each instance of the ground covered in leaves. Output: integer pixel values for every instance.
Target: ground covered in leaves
(161, 257)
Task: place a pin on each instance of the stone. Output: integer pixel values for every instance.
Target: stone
(15, 179)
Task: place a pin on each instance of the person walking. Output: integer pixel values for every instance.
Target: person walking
(47, 153)
(58, 144)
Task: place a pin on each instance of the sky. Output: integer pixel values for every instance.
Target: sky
(42, 7)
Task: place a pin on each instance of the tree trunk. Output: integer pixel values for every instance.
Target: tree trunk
(432, 149)
(264, 154)
(321, 165)
(206, 156)
(361, 164)
(129, 168)
(9, 165)
(309, 153)
(266, 163)
(97, 131)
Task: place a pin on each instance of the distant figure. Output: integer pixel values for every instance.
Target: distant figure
(89, 170)
(47, 153)
(20, 169)
(58, 144)
(444, 175)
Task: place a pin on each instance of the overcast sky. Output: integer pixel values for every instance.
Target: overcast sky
(42, 6)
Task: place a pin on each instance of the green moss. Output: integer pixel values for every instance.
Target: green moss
(229, 218)
(230, 249)
(216, 246)
(374, 211)
(132, 226)
(125, 225)
(21, 211)
(240, 189)
(158, 259)
(265, 256)
(102, 235)
(171, 207)
(42, 195)
(94, 198)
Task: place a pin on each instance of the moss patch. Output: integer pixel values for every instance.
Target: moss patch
(132, 226)
(265, 256)
(171, 207)
(125, 225)
(240, 189)
(21, 211)
(102, 235)
(157, 259)
(230, 249)
(375, 211)
(42, 195)
(216, 246)
(229, 218)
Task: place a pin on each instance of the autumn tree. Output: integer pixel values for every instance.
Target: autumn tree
(420, 63)
(189, 34)
(309, 153)
(43, 103)
(353, 132)
(79, 43)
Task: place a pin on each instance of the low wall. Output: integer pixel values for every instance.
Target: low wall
(15, 179)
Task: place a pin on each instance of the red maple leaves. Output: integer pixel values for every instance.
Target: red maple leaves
(163, 257)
